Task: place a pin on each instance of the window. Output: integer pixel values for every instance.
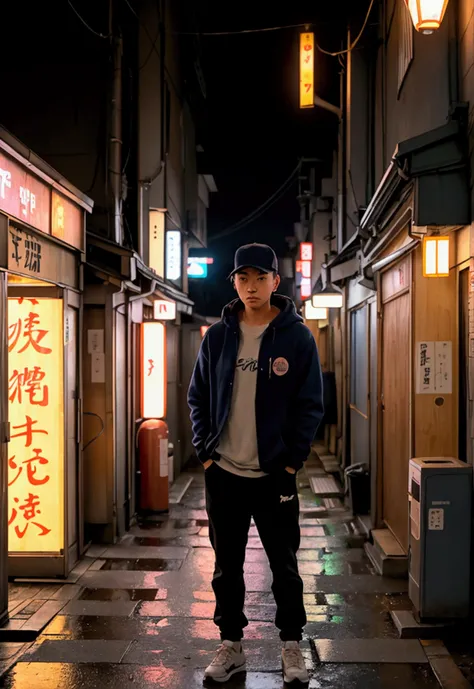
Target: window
(359, 360)
(405, 48)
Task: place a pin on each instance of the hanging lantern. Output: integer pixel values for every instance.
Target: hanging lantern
(436, 257)
(427, 15)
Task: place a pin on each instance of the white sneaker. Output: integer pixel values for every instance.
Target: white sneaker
(229, 660)
(294, 668)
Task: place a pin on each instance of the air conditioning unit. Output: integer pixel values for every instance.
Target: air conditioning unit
(440, 494)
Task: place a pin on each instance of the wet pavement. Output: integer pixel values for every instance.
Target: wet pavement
(141, 615)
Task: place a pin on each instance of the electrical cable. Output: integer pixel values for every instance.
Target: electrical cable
(251, 217)
(241, 32)
(281, 28)
(261, 209)
(96, 33)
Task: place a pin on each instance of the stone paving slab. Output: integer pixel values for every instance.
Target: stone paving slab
(123, 580)
(261, 657)
(150, 553)
(171, 630)
(100, 608)
(370, 651)
(364, 583)
(8, 650)
(108, 676)
(59, 651)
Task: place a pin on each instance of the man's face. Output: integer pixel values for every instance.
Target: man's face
(255, 288)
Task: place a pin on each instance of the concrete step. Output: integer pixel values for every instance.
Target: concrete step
(325, 486)
(330, 464)
(334, 505)
(387, 555)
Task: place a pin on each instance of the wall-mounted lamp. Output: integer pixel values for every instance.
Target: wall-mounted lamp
(329, 298)
(312, 313)
(436, 257)
(427, 15)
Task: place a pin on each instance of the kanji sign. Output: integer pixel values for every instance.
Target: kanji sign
(67, 221)
(36, 410)
(173, 255)
(153, 367)
(307, 70)
(23, 195)
(164, 310)
(434, 368)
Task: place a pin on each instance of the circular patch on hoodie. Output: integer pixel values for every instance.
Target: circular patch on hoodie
(280, 366)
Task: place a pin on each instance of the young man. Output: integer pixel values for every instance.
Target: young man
(256, 403)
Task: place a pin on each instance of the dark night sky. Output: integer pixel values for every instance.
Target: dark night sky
(257, 130)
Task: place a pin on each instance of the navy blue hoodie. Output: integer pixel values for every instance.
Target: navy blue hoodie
(289, 403)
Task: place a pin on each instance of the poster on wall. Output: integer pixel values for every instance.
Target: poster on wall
(36, 412)
(434, 368)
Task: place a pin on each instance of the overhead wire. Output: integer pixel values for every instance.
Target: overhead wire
(260, 210)
(96, 33)
(306, 25)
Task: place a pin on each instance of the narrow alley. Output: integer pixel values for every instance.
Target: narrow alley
(141, 612)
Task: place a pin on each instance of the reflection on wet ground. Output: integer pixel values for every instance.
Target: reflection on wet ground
(142, 614)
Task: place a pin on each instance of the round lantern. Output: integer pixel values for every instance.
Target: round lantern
(427, 15)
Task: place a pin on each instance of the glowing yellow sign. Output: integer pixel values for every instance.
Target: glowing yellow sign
(307, 70)
(153, 371)
(36, 411)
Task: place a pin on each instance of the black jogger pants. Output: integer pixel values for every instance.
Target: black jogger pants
(272, 501)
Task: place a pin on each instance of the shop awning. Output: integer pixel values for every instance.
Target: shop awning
(25, 156)
(110, 258)
(433, 167)
(164, 289)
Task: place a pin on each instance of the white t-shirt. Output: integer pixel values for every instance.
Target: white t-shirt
(238, 443)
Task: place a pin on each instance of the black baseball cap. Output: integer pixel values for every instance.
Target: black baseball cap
(258, 256)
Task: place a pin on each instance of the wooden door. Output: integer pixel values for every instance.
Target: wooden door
(396, 333)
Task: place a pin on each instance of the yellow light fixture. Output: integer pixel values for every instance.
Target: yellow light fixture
(436, 257)
(312, 313)
(427, 15)
(328, 298)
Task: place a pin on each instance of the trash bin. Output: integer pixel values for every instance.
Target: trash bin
(358, 478)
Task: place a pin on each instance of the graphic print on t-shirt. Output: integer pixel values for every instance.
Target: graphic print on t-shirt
(248, 364)
(238, 442)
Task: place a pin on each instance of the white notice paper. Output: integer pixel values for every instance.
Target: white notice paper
(434, 368)
(95, 341)
(97, 368)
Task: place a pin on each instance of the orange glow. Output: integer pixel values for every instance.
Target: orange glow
(307, 70)
(36, 411)
(153, 365)
(436, 257)
(427, 15)
(204, 329)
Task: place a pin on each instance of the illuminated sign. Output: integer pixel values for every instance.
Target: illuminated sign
(306, 269)
(299, 266)
(36, 412)
(173, 255)
(164, 310)
(198, 266)
(153, 371)
(312, 313)
(23, 195)
(307, 70)
(306, 252)
(156, 241)
(67, 221)
(305, 287)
